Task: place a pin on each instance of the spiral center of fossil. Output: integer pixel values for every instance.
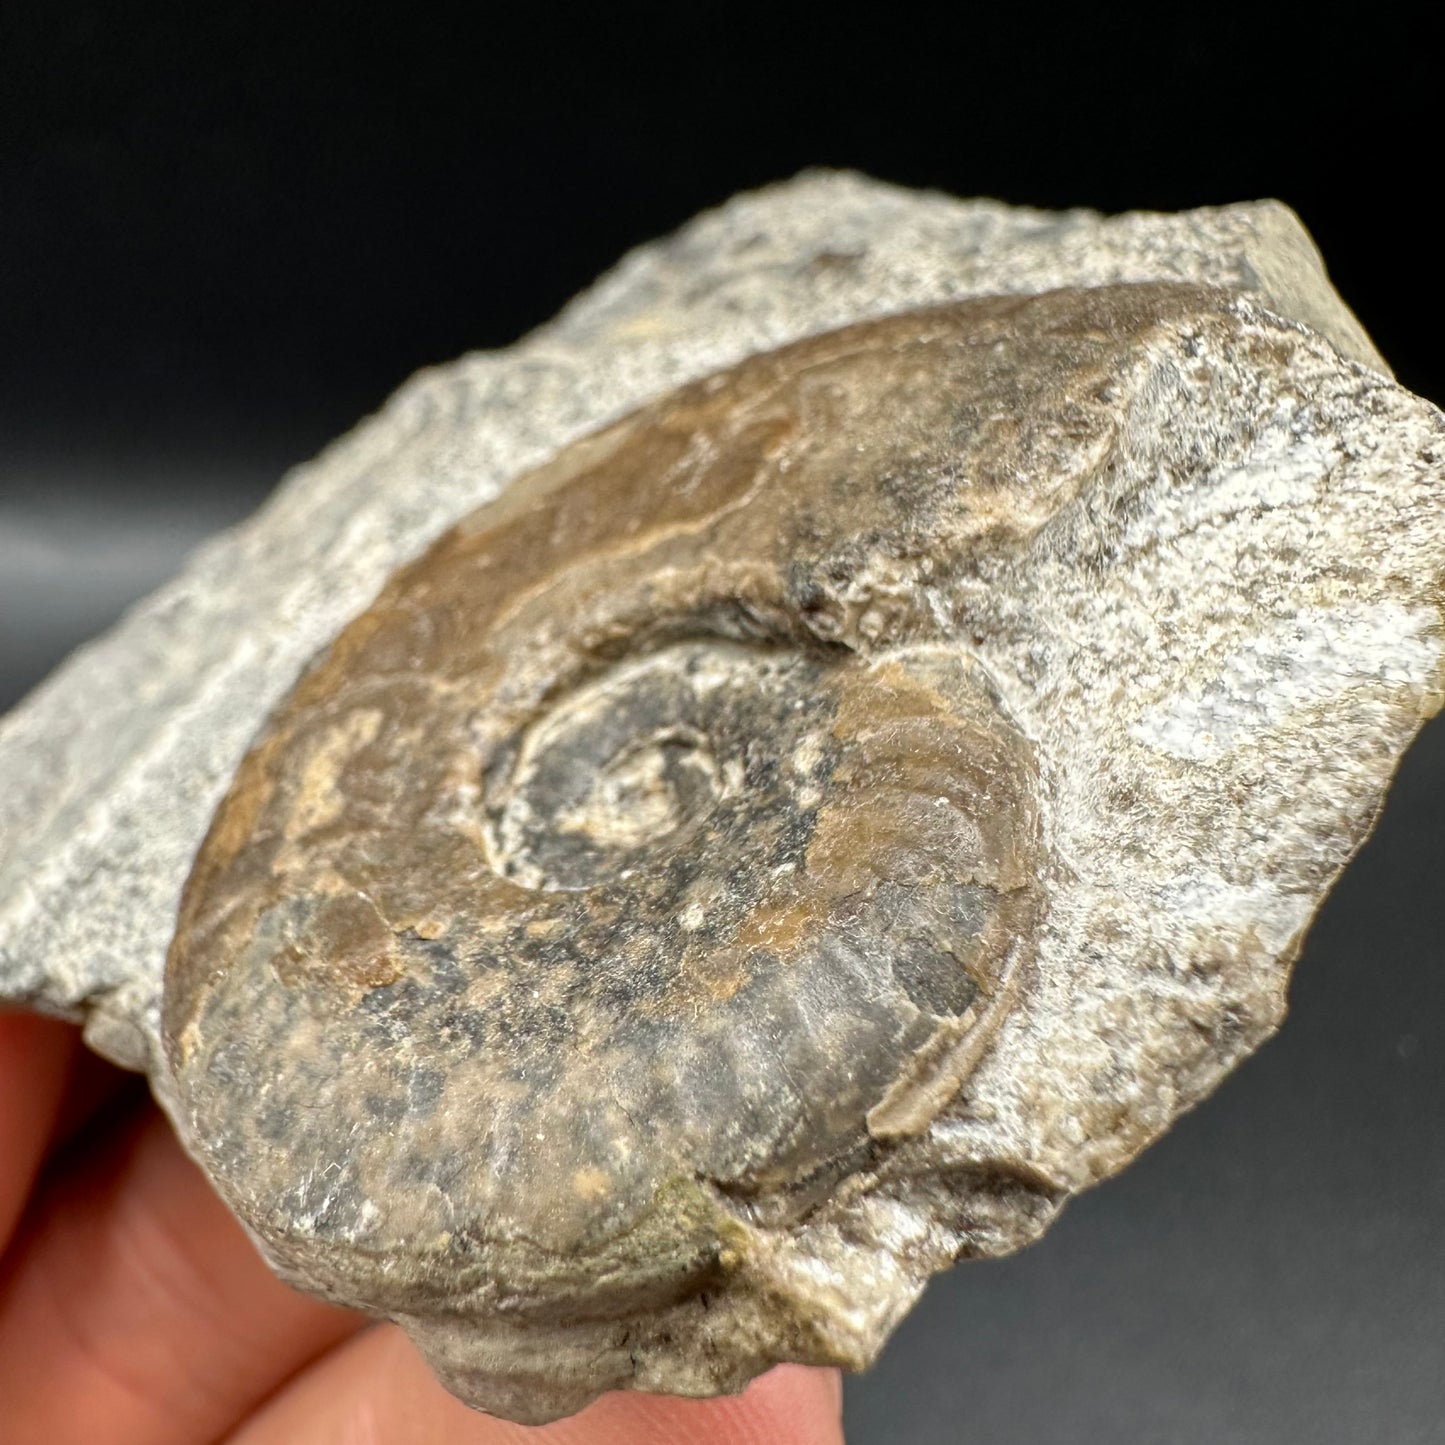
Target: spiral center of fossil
(646, 792)
(622, 773)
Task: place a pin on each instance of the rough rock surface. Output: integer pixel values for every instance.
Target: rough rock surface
(1084, 632)
(109, 773)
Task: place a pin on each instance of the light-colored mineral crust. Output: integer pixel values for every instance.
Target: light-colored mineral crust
(1084, 632)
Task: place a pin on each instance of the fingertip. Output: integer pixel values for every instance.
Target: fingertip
(376, 1387)
(139, 1310)
(36, 1055)
(789, 1405)
(807, 1393)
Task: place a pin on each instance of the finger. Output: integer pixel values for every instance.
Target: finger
(97, 1095)
(376, 1388)
(35, 1060)
(136, 1310)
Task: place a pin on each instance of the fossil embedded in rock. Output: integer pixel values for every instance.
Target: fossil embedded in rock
(797, 834)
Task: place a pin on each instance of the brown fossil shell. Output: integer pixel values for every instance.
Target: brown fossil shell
(607, 915)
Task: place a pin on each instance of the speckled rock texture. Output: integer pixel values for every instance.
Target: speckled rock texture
(670, 834)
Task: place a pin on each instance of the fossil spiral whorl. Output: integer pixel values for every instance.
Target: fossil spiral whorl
(654, 856)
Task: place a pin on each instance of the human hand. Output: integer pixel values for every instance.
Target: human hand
(134, 1310)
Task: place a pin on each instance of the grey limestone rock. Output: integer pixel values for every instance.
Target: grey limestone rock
(672, 833)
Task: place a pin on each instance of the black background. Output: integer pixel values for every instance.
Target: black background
(228, 230)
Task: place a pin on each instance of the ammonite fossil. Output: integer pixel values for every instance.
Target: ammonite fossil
(787, 838)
